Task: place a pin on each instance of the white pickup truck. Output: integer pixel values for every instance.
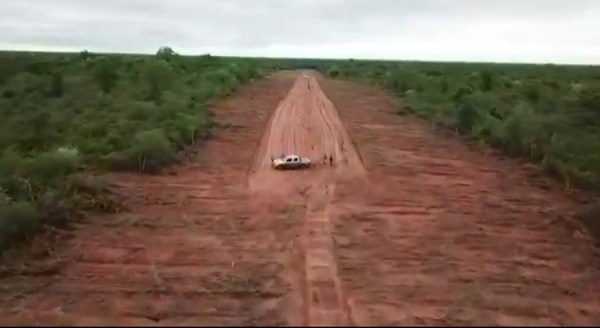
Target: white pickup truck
(290, 162)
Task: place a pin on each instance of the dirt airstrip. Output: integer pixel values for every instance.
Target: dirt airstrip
(408, 226)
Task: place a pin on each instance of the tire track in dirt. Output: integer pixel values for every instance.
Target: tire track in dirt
(188, 251)
(443, 234)
(306, 123)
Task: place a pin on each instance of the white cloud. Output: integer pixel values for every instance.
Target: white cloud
(559, 31)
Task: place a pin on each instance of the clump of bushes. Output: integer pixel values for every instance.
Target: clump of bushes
(149, 151)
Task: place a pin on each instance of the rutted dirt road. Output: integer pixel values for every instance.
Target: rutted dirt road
(307, 123)
(409, 226)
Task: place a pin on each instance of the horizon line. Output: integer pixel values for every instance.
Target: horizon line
(331, 58)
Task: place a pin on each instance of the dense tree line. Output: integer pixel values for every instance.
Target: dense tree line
(63, 113)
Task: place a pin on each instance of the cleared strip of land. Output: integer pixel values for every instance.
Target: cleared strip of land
(408, 226)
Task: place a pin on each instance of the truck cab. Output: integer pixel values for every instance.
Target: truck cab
(290, 162)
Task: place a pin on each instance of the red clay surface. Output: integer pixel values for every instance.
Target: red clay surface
(409, 226)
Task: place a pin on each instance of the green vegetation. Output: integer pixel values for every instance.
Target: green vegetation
(65, 113)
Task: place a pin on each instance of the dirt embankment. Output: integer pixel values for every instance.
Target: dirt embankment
(408, 226)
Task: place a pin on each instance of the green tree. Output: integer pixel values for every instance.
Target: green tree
(165, 53)
(57, 88)
(105, 75)
(158, 75)
(152, 149)
(467, 116)
(8, 67)
(486, 81)
(85, 55)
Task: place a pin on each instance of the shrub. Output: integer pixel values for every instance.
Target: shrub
(149, 152)
(333, 72)
(51, 168)
(18, 220)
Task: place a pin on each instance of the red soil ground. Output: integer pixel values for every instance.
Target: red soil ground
(409, 226)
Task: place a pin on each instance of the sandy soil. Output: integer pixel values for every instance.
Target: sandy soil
(408, 226)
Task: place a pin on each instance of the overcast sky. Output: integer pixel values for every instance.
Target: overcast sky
(557, 31)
